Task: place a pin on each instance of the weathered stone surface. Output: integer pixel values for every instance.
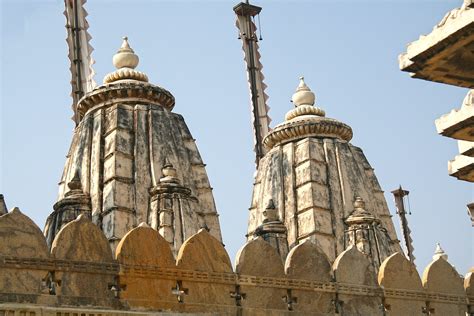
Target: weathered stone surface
(398, 275)
(441, 277)
(120, 146)
(249, 263)
(313, 177)
(21, 238)
(204, 253)
(81, 240)
(352, 267)
(308, 262)
(140, 249)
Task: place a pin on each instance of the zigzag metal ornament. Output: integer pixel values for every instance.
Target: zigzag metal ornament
(247, 32)
(78, 38)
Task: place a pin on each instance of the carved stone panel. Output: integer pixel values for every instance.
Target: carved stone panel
(398, 277)
(142, 252)
(21, 238)
(353, 268)
(255, 261)
(308, 262)
(81, 240)
(441, 277)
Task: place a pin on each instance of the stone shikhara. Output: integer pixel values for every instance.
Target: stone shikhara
(135, 229)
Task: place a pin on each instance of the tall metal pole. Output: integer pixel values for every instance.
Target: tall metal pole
(399, 194)
(80, 51)
(247, 32)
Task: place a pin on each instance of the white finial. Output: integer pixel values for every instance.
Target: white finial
(125, 60)
(125, 57)
(303, 94)
(439, 253)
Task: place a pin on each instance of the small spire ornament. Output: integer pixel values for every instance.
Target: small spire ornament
(439, 253)
(125, 60)
(303, 94)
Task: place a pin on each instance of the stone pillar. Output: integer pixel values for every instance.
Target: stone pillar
(74, 203)
(273, 230)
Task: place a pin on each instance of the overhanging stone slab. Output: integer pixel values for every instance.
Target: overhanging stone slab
(445, 55)
(466, 148)
(462, 167)
(458, 124)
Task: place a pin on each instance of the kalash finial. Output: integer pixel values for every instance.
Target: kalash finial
(439, 253)
(303, 94)
(304, 100)
(125, 60)
(125, 57)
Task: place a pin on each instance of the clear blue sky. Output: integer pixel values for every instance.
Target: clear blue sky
(347, 51)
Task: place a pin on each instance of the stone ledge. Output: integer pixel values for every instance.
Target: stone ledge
(466, 148)
(443, 55)
(458, 124)
(462, 167)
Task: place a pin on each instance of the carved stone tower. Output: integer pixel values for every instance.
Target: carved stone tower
(313, 175)
(132, 160)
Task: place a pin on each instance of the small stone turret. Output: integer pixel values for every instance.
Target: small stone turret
(132, 160)
(364, 231)
(172, 207)
(312, 174)
(273, 230)
(74, 204)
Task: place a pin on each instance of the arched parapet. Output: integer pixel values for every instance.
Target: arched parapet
(307, 261)
(255, 261)
(401, 284)
(21, 239)
(204, 261)
(141, 253)
(353, 268)
(203, 252)
(82, 241)
(440, 277)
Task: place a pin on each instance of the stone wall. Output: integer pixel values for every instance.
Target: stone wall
(143, 278)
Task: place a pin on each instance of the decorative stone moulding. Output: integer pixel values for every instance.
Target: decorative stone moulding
(125, 85)
(306, 120)
(125, 74)
(126, 92)
(313, 127)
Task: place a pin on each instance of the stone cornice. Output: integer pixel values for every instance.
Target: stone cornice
(126, 92)
(307, 126)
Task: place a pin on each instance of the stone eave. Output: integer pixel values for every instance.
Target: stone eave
(458, 124)
(462, 167)
(466, 148)
(444, 54)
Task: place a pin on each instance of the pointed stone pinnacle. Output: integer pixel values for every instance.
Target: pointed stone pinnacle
(3, 206)
(439, 253)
